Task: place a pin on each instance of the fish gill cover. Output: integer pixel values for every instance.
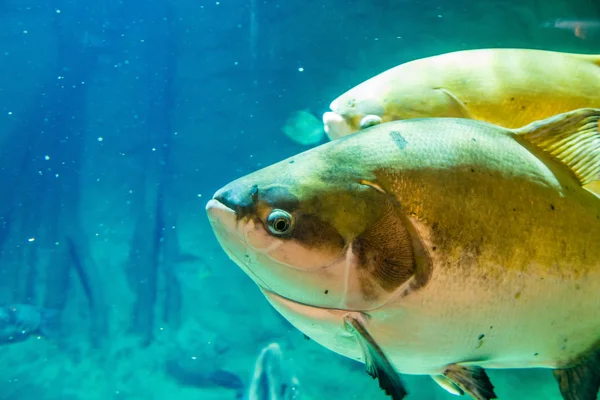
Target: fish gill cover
(120, 119)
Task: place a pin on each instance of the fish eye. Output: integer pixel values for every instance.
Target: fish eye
(280, 222)
(369, 120)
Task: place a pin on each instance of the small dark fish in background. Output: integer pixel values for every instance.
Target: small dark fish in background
(271, 379)
(582, 28)
(20, 321)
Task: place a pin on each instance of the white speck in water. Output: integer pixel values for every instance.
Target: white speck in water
(25, 32)
(10, 113)
(194, 357)
(100, 139)
(46, 158)
(58, 11)
(31, 240)
(199, 194)
(300, 69)
(154, 149)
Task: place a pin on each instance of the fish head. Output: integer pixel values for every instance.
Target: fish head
(388, 96)
(313, 230)
(359, 108)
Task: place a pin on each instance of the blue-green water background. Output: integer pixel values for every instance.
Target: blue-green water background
(119, 120)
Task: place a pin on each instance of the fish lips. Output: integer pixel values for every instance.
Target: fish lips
(228, 229)
(336, 126)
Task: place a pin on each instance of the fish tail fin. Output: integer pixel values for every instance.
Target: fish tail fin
(571, 138)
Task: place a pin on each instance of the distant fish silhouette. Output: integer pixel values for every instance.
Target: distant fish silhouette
(271, 380)
(582, 28)
(20, 321)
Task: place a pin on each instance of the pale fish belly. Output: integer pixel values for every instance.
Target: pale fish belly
(523, 321)
(323, 325)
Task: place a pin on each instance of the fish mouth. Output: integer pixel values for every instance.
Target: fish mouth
(276, 297)
(335, 125)
(226, 227)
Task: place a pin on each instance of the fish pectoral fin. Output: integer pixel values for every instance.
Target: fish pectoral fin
(378, 366)
(571, 138)
(448, 385)
(582, 381)
(471, 380)
(460, 108)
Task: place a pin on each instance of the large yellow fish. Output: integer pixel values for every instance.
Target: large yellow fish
(506, 87)
(434, 246)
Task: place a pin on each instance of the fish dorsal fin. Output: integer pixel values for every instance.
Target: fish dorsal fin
(571, 138)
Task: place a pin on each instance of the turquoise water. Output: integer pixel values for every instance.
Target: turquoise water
(118, 122)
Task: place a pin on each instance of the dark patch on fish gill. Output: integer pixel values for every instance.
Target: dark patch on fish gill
(384, 250)
(398, 139)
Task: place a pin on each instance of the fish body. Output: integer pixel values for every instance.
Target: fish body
(432, 246)
(270, 379)
(506, 87)
(20, 321)
(582, 28)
